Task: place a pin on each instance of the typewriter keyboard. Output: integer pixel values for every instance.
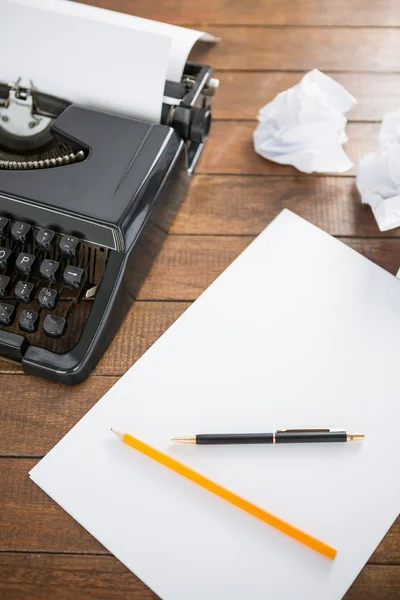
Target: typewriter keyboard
(48, 282)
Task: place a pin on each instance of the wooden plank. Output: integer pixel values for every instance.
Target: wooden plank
(185, 267)
(36, 414)
(58, 577)
(376, 583)
(262, 12)
(43, 525)
(244, 205)
(230, 149)
(62, 577)
(10, 368)
(31, 521)
(241, 95)
(385, 253)
(302, 48)
(143, 326)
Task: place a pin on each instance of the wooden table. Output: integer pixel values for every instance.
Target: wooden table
(267, 46)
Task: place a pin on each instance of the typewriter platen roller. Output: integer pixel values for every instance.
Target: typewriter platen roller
(86, 200)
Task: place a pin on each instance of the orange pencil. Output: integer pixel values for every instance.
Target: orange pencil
(220, 491)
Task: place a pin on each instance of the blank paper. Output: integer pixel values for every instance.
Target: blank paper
(182, 38)
(91, 56)
(300, 331)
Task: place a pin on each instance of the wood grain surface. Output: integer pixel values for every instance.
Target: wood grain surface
(241, 94)
(63, 576)
(302, 48)
(347, 13)
(266, 47)
(230, 149)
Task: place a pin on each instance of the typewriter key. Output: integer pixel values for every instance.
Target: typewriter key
(7, 313)
(48, 269)
(45, 239)
(68, 245)
(5, 254)
(24, 291)
(48, 298)
(73, 277)
(28, 321)
(4, 283)
(24, 262)
(54, 326)
(3, 226)
(19, 232)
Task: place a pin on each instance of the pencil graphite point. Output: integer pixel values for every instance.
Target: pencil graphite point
(119, 434)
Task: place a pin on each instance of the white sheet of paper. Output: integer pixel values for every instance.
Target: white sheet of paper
(300, 331)
(84, 61)
(182, 38)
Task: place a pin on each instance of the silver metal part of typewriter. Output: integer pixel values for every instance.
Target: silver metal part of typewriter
(26, 141)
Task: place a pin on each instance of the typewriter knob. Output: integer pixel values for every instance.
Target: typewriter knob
(181, 121)
(200, 124)
(211, 87)
(192, 123)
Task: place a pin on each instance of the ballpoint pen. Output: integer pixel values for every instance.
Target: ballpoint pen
(280, 436)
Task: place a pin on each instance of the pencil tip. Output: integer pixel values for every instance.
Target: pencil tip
(119, 434)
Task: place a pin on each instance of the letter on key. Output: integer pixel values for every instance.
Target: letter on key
(24, 262)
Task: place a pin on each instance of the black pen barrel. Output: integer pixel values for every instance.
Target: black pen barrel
(309, 437)
(284, 437)
(235, 438)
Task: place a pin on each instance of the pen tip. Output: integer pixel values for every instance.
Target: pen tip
(187, 439)
(351, 437)
(119, 434)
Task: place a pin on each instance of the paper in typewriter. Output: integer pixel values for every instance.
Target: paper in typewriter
(91, 56)
(300, 331)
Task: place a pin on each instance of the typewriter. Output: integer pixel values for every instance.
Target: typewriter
(86, 200)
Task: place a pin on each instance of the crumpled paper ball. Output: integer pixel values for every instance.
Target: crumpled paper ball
(378, 176)
(304, 126)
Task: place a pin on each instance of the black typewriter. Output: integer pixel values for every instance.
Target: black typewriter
(86, 200)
